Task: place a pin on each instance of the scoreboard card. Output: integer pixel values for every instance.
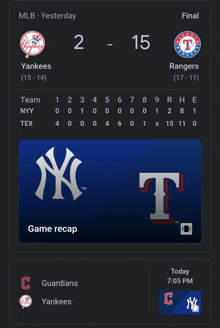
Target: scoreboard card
(110, 125)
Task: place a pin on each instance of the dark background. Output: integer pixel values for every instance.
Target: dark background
(213, 255)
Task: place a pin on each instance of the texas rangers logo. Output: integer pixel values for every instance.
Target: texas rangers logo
(161, 215)
(32, 43)
(187, 44)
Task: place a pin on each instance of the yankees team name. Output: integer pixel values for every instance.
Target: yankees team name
(180, 271)
(56, 301)
(36, 66)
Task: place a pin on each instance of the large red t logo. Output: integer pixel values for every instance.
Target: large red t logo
(187, 43)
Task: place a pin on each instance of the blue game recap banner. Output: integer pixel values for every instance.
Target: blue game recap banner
(142, 191)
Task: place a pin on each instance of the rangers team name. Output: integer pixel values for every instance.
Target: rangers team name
(184, 67)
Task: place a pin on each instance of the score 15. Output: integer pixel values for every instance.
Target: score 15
(140, 42)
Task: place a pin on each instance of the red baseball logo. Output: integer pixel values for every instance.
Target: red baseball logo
(32, 43)
(25, 301)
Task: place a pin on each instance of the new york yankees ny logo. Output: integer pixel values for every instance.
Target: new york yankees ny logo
(58, 173)
(193, 303)
(161, 215)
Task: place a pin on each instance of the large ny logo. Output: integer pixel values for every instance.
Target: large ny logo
(58, 173)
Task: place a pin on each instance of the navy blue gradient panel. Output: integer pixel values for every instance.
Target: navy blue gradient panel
(111, 208)
(182, 302)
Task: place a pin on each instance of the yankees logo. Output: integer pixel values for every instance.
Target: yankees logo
(72, 185)
(161, 216)
(25, 301)
(193, 303)
(32, 43)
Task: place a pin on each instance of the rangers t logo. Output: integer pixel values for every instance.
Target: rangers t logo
(161, 215)
(187, 44)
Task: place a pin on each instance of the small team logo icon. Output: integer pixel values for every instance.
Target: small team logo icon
(187, 44)
(168, 298)
(25, 301)
(24, 283)
(32, 43)
(193, 303)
